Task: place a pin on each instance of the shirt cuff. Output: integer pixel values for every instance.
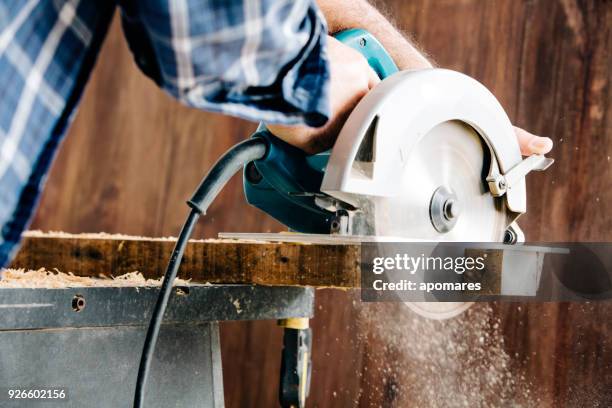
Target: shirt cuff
(298, 96)
(306, 85)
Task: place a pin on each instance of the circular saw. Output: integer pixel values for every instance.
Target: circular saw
(427, 155)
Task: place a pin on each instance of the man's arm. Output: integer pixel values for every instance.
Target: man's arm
(345, 14)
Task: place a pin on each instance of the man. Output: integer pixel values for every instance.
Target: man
(263, 60)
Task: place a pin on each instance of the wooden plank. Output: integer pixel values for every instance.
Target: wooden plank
(205, 261)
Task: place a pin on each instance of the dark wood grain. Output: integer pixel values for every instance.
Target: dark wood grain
(133, 156)
(204, 261)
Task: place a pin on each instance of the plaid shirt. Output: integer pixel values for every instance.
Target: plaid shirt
(256, 59)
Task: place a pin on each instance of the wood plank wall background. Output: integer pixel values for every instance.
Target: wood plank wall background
(133, 155)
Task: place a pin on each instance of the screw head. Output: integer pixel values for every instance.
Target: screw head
(452, 209)
(509, 237)
(362, 42)
(78, 303)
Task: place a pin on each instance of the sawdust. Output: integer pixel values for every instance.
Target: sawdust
(92, 235)
(42, 278)
(123, 237)
(460, 362)
(236, 304)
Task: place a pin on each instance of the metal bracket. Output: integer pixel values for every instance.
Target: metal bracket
(500, 183)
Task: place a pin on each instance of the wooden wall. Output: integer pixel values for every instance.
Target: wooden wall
(133, 155)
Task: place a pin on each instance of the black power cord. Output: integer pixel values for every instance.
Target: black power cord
(230, 163)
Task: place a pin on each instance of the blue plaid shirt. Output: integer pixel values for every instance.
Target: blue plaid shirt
(256, 59)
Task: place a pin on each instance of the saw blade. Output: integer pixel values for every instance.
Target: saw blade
(450, 158)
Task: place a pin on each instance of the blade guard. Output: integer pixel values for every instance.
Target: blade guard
(284, 184)
(402, 109)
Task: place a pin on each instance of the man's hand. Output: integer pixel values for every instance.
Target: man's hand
(532, 144)
(351, 79)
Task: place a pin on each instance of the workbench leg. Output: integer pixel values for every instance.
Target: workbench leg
(295, 363)
(97, 366)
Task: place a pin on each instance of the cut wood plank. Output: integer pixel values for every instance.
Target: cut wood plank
(205, 261)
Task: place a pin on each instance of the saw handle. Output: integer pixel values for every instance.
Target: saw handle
(373, 51)
(285, 182)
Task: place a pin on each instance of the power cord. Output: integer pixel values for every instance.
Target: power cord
(228, 165)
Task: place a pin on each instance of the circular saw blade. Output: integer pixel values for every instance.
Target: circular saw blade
(453, 156)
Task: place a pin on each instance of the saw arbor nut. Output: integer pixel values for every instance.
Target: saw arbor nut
(444, 209)
(452, 209)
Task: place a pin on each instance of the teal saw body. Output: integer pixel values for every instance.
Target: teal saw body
(286, 182)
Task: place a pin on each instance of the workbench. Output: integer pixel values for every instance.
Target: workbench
(87, 340)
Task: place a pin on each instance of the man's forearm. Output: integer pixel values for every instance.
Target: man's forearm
(345, 14)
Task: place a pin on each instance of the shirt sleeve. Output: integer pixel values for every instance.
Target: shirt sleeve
(256, 59)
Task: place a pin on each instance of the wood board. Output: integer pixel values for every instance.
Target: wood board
(205, 261)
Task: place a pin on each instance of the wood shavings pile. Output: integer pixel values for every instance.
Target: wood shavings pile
(91, 235)
(106, 235)
(42, 278)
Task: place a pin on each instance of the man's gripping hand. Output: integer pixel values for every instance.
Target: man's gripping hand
(532, 144)
(350, 79)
